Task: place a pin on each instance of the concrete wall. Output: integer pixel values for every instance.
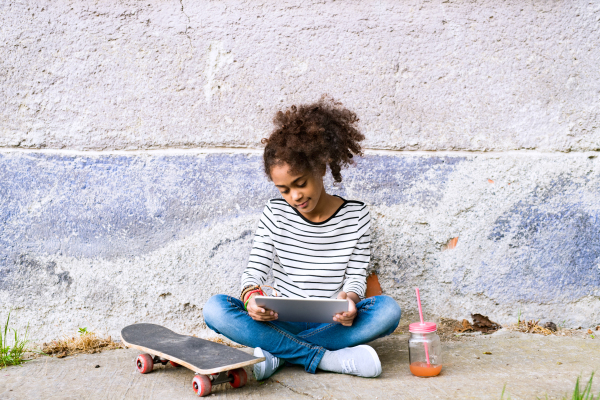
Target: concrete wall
(122, 198)
(427, 75)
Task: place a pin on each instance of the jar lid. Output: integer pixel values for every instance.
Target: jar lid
(424, 327)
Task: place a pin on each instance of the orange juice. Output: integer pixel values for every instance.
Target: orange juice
(421, 369)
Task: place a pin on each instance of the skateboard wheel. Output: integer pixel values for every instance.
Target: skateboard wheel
(202, 385)
(239, 377)
(144, 363)
(174, 364)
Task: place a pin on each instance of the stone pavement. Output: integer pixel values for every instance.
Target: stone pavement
(527, 364)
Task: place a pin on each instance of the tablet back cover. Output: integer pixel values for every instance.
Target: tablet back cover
(303, 310)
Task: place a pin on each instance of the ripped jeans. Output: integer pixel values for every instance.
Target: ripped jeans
(301, 342)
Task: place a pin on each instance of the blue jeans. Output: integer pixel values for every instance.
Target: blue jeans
(301, 342)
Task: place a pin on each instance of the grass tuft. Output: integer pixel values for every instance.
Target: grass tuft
(587, 391)
(586, 394)
(86, 342)
(12, 354)
(530, 327)
(502, 395)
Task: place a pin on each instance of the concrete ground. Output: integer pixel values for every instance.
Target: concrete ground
(529, 365)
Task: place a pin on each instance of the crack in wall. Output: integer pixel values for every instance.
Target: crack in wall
(186, 25)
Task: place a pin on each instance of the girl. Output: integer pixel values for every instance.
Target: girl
(317, 245)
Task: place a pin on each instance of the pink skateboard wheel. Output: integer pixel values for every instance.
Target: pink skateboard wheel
(202, 385)
(239, 377)
(144, 363)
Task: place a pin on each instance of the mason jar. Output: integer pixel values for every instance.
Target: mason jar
(424, 349)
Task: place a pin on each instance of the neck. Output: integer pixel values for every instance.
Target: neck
(325, 207)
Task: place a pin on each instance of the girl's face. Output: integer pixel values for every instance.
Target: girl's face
(301, 191)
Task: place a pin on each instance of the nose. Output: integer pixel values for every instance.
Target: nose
(296, 195)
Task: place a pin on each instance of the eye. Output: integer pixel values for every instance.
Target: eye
(301, 184)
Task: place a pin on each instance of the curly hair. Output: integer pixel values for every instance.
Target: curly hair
(312, 137)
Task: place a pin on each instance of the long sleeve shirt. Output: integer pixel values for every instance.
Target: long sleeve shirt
(311, 259)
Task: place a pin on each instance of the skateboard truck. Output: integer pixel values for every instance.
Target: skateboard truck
(163, 361)
(222, 377)
(202, 384)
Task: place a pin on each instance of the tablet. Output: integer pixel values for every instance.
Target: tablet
(303, 310)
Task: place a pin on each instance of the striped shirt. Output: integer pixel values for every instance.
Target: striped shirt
(311, 259)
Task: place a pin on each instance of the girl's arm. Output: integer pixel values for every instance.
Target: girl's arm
(355, 279)
(262, 253)
(350, 295)
(259, 264)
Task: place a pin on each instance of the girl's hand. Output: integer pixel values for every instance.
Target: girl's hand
(346, 318)
(259, 313)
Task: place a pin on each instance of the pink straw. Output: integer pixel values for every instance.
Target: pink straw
(419, 303)
(421, 315)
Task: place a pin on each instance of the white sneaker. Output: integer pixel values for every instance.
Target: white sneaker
(265, 369)
(360, 361)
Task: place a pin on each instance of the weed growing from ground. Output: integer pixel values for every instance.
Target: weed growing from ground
(504, 388)
(577, 394)
(587, 391)
(11, 354)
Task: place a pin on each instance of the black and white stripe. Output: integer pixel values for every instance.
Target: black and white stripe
(311, 259)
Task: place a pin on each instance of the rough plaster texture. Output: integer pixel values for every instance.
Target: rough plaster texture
(422, 75)
(107, 240)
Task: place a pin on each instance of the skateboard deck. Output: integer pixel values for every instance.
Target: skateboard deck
(201, 356)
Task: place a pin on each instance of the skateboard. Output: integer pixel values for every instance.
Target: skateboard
(212, 362)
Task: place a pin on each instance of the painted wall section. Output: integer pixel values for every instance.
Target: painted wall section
(421, 75)
(109, 240)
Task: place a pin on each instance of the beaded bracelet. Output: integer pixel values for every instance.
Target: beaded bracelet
(246, 289)
(259, 291)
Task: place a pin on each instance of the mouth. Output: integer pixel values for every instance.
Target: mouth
(302, 205)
